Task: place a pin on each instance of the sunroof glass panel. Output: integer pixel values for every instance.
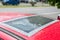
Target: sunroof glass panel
(28, 24)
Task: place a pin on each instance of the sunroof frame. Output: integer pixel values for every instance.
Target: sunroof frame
(23, 32)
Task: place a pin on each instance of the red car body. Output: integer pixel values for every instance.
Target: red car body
(50, 32)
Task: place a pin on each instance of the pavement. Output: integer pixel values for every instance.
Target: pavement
(36, 10)
(50, 12)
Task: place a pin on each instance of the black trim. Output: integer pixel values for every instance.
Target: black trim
(1, 39)
(11, 34)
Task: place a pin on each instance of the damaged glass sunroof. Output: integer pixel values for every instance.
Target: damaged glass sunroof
(28, 24)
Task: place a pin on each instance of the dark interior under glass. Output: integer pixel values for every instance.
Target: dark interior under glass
(28, 24)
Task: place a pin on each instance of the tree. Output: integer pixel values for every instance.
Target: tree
(54, 3)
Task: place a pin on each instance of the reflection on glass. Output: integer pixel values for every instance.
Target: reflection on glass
(30, 23)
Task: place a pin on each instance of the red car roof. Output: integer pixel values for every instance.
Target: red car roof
(51, 32)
